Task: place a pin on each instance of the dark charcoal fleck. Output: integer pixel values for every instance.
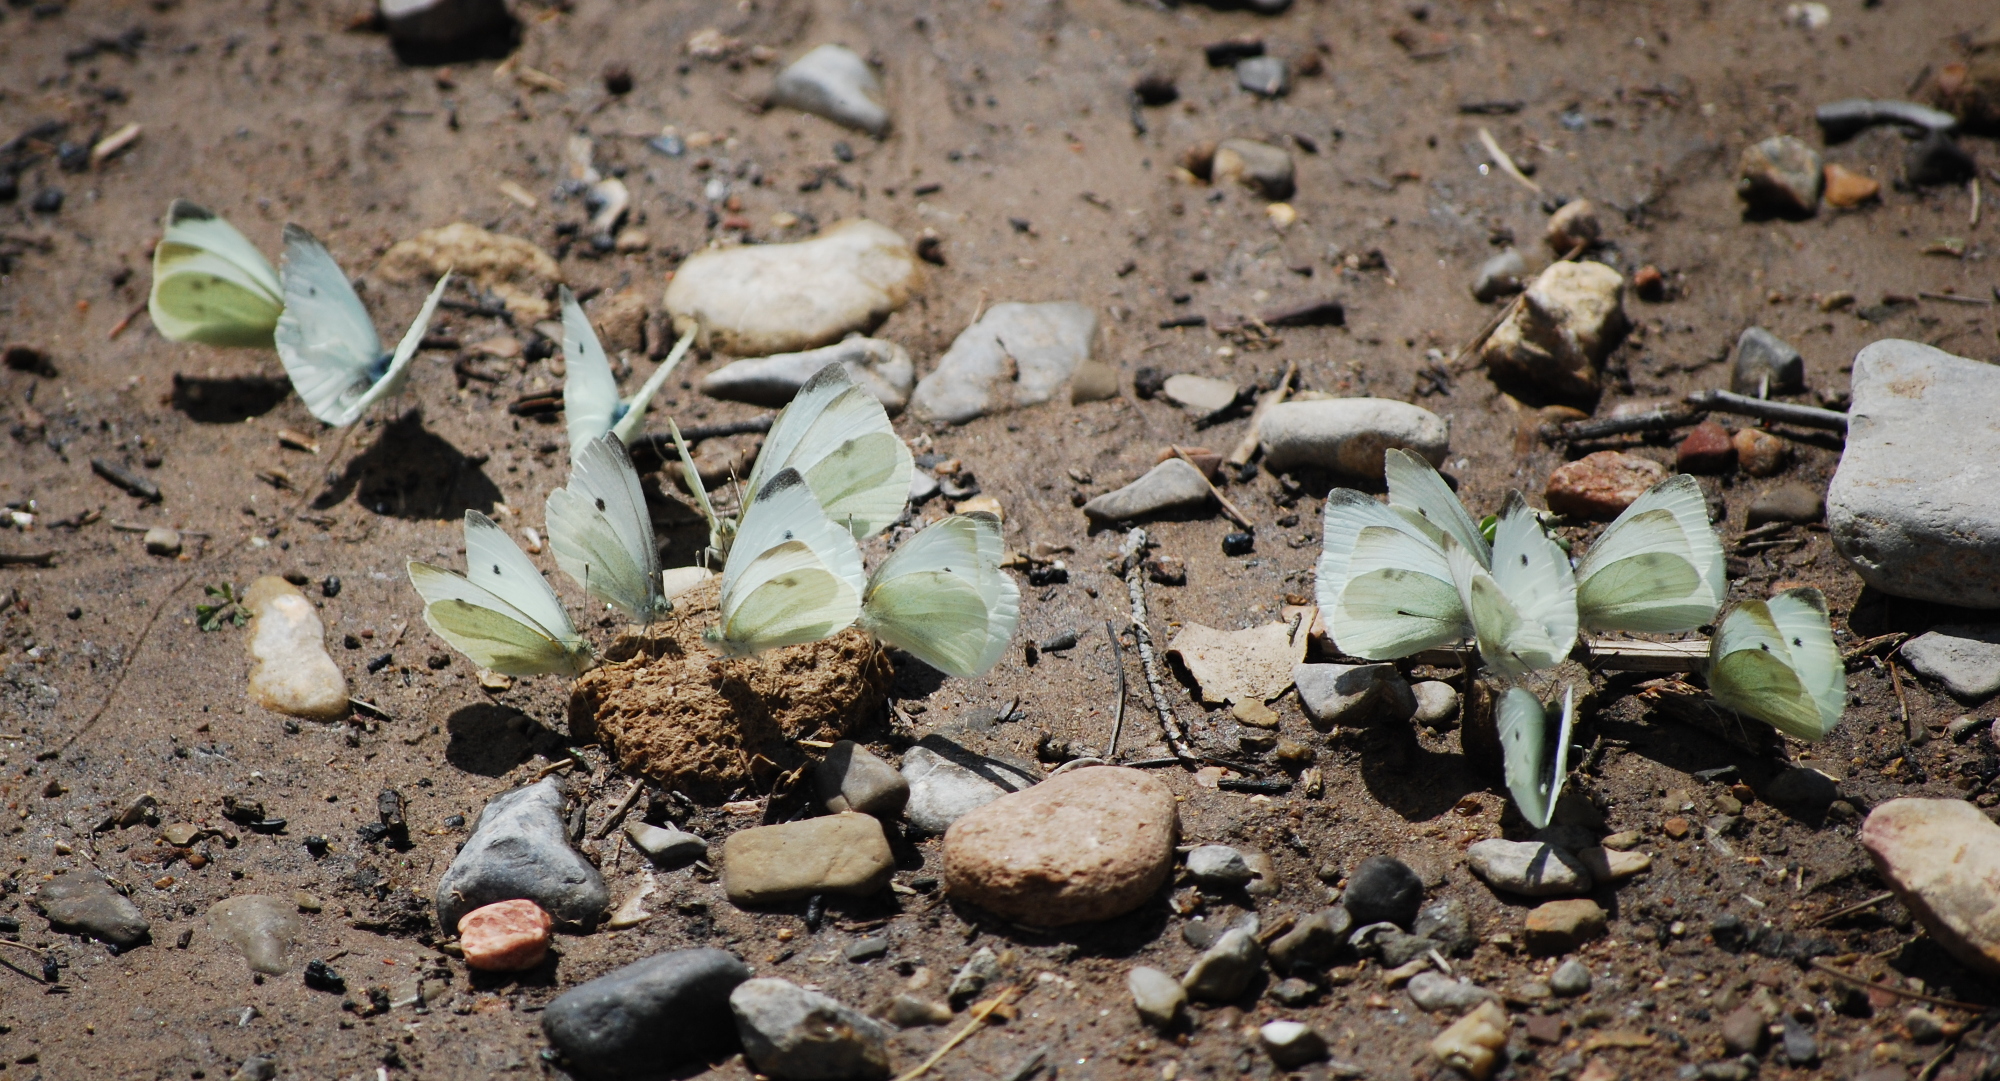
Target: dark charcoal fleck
(321, 977)
(329, 587)
(1239, 544)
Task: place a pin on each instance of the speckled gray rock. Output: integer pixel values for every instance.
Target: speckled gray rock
(1315, 941)
(83, 903)
(1355, 695)
(256, 1068)
(881, 368)
(1913, 503)
(1389, 944)
(1349, 435)
(1965, 659)
(1437, 993)
(1780, 175)
(799, 1035)
(1384, 889)
(1158, 997)
(649, 1016)
(1502, 275)
(1169, 486)
(664, 844)
(520, 848)
(1015, 355)
(1437, 703)
(850, 778)
(1224, 971)
(1448, 924)
(1265, 76)
(260, 928)
(979, 971)
(946, 781)
(832, 82)
(1261, 167)
(1528, 868)
(1762, 355)
(1570, 979)
(1219, 867)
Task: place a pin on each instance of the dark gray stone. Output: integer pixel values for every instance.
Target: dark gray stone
(1316, 941)
(1803, 791)
(1938, 159)
(1965, 659)
(83, 903)
(852, 779)
(1762, 355)
(1389, 944)
(800, 1035)
(1383, 889)
(650, 1016)
(1799, 1046)
(1448, 924)
(1224, 972)
(442, 24)
(520, 848)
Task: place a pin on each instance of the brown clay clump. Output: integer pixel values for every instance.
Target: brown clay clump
(668, 706)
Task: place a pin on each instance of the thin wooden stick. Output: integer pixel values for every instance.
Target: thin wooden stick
(1246, 448)
(1903, 707)
(119, 328)
(1850, 910)
(130, 656)
(1117, 714)
(1228, 508)
(1899, 992)
(971, 1027)
(1607, 654)
(1506, 163)
(618, 812)
(1170, 726)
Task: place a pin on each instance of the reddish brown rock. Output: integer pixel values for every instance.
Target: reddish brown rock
(1601, 485)
(1846, 188)
(1087, 845)
(1760, 453)
(1942, 857)
(509, 936)
(1649, 283)
(1561, 926)
(1706, 449)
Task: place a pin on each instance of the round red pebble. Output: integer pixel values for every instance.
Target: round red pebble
(507, 936)
(1706, 449)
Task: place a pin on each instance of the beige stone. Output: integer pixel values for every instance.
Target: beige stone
(1087, 845)
(514, 269)
(761, 299)
(1613, 865)
(290, 671)
(1473, 1042)
(1251, 665)
(620, 321)
(1942, 857)
(1568, 319)
(843, 853)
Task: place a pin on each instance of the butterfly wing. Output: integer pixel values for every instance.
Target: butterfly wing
(1658, 567)
(602, 534)
(494, 563)
(1750, 671)
(838, 437)
(210, 284)
(1800, 616)
(482, 625)
(325, 339)
(635, 409)
(1346, 514)
(1416, 487)
(1398, 597)
(391, 381)
(1524, 611)
(590, 394)
(933, 597)
(1523, 728)
(792, 574)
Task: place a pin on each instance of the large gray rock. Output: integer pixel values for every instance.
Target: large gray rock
(881, 368)
(800, 1035)
(520, 848)
(1915, 503)
(1528, 868)
(649, 1016)
(1172, 485)
(1015, 355)
(1355, 695)
(1349, 435)
(831, 81)
(1965, 659)
(1761, 356)
(947, 781)
(82, 902)
(760, 299)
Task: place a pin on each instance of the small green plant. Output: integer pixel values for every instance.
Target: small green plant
(225, 608)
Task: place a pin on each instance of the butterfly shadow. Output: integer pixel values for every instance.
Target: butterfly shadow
(1409, 778)
(231, 400)
(410, 472)
(489, 740)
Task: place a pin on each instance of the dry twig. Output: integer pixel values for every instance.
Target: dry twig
(1135, 585)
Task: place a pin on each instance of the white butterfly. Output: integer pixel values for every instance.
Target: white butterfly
(1657, 568)
(1523, 611)
(591, 406)
(1384, 581)
(1775, 660)
(1532, 780)
(1420, 494)
(792, 576)
(837, 436)
(943, 597)
(210, 284)
(327, 341)
(602, 534)
(504, 616)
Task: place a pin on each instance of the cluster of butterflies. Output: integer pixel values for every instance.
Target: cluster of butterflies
(1419, 573)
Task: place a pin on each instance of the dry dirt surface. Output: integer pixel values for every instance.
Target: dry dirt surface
(1015, 143)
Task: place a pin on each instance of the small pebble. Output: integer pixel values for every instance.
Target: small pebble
(1218, 867)
(1705, 449)
(1437, 703)
(1764, 359)
(1383, 889)
(1570, 979)
(1575, 224)
(291, 671)
(1557, 927)
(1291, 1044)
(1798, 503)
(1293, 992)
(1846, 189)
(509, 936)
(1238, 544)
(161, 541)
(1601, 485)
(1780, 176)
(1500, 276)
(1264, 76)
(665, 845)
(1224, 971)
(1473, 1042)
(909, 1011)
(1759, 453)
(866, 949)
(1158, 997)
(1938, 159)
(320, 976)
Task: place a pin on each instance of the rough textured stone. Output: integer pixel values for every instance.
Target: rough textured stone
(1570, 979)
(520, 848)
(1224, 970)
(800, 1035)
(1743, 1030)
(1611, 865)
(1291, 1044)
(761, 299)
(843, 853)
(1601, 485)
(1261, 167)
(850, 778)
(260, 928)
(1759, 453)
(1264, 76)
(1912, 505)
(1847, 188)
(1561, 926)
(1219, 867)
(1802, 790)
(1576, 223)
(161, 541)
(1171, 485)
(1942, 857)
(1528, 868)
(947, 782)
(1088, 845)
(1799, 503)
(290, 670)
(1571, 316)
(1472, 1043)
(1016, 355)
(1355, 695)
(1500, 276)
(1763, 356)
(1705, 449)
(1316, 941)
(1781, 176)
(1383, 889)
(1199, 394)
(881, 368)
(1158, 997)
(664, 844)
(514, 269)
(508, 936)
(1448, 924)
(649, 1016)
(82, 902)
(1252, 665)
(832, 82)
(1437, 993)
(1965, 659)
(1349, 435)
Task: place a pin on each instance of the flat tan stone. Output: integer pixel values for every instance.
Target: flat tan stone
(760, 299)
(1087, 845)
(843, 853)
(290, 670)
(1942, 857)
